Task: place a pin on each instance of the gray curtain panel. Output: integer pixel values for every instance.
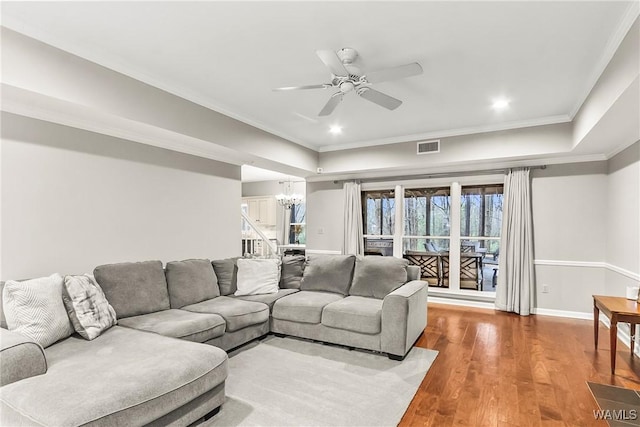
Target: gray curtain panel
(353, 243)
(516, 276)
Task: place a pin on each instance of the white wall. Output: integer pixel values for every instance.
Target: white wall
(325, 207)
(585, 217)
(569, 213)
(73, 199)
(623, 221)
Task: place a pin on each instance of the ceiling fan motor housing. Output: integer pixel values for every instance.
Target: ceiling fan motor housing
(347, 55)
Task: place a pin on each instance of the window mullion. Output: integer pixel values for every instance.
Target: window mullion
(454, 242)
(398, 229)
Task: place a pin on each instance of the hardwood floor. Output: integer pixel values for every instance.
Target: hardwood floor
(500, 369)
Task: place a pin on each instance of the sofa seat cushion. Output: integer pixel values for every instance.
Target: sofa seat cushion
(237, 313)
(353, 313)
(181, 324)
(268, 299)
(304, 306)
(123, 377)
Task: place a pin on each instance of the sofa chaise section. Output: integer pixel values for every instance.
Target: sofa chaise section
(123, 377)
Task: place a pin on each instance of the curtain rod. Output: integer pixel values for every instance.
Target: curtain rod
(435, 175)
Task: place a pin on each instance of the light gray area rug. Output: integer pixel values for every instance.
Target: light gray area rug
(294, 382)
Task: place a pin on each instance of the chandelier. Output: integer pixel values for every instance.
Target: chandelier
(288, 198)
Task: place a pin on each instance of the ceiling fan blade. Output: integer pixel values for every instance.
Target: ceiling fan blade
(394, 73)
(332, 62)
(322, 86)
(386, 101)
(331, 104)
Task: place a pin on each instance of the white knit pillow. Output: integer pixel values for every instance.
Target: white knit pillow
(34, 308)
(87, 306)
(258, 276)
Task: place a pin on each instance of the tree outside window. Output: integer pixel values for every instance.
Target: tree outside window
(481, 217)
(378, 210)
(427, 212)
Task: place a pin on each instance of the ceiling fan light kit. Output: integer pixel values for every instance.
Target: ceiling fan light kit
(346, 77)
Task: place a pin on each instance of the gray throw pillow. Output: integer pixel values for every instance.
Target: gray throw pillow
(227, 274)
(292, 270)
(190, 282)
(377, 276)
(328, 273)
(134, 288)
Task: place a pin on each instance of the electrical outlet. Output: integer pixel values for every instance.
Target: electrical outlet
(321, 230)
(545, 289)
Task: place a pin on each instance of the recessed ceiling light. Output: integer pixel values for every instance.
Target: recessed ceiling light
(335, 129)
(500, 104)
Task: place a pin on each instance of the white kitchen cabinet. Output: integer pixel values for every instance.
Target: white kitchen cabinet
(261, 209)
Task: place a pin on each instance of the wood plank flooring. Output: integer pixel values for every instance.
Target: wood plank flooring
(500, 369)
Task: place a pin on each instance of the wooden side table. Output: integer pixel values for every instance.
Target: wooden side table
(617, 309)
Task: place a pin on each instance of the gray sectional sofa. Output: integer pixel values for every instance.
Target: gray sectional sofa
(151, 369)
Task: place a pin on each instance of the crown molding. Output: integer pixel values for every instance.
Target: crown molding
(619, 149)
(632, 13)
(471, 166)
(115, 63)
(543, 121)
(37, 106)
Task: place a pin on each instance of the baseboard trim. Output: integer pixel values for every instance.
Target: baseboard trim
(491, 306)
(623, 333)
(462, 303)
(563, 313)
(322, 251)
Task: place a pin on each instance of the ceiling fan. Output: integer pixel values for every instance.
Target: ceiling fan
(347, 77)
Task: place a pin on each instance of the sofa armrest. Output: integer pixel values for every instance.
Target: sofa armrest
(404, 317)
(20, 357)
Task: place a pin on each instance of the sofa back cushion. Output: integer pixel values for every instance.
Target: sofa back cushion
(292, 270)
(190, 282)
(134, 288)
(377, 276)
(227, 274)
(328, 273)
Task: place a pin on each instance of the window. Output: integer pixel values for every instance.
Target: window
(481, 218)
(297, 225)
(427, 212)
(378, 209)
(480, 227)
(440, 224)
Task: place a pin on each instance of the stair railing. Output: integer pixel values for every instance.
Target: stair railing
(266, 246)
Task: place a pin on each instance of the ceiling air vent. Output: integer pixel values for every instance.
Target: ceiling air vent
(427, 147)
